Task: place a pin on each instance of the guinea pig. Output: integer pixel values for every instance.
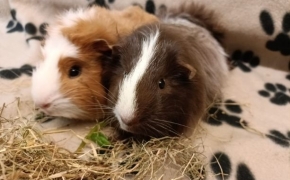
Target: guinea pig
(69, 81)
(165, 77)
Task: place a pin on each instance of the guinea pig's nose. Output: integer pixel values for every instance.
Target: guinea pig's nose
(129, 122)
(43, 105)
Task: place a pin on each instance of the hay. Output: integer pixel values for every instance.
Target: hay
(26, 154)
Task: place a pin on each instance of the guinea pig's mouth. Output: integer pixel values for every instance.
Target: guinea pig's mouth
(141, 129)
(150, 129)
(49, 112)
(127, 128)
(45, 111)
(63, 112)
(134, 128)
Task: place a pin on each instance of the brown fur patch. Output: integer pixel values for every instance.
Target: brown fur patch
(107, 24)
(84, 90)
(200, 15)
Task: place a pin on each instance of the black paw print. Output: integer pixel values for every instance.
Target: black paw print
(279, 90)
(101, 3)
(31, 30)
(16, 72)
(216, 116)
(13, 25)
(245, 61)
(279, 138)
(221, 165)
(150, 6)
(281, 42)
(288, 77)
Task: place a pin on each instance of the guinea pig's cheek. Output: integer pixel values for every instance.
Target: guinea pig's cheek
(69, 111)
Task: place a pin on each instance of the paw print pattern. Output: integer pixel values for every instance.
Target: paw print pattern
(245, 61)
(243, 172)
(288, 77)
(13, 25)
(150, 6)
(101, 3)
(279, 92)
(279, 138)
(216, 116)
(16, 72)
(281, 42)
(31, 30)
(221, 166)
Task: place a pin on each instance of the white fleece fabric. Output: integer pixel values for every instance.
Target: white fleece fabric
(250, 133)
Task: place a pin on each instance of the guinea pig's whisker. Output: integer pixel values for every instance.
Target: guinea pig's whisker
(107, 98)
(109, 120)
(100, 106)
(95, 108)
(165, 127)
(169, 122)
(162, 125)
(169, 129)
(82, 98)
(150, 127)
(109, 93)
(91, 107)
(71, 91)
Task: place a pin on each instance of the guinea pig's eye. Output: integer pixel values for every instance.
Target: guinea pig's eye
(161, 83)
(74, 71)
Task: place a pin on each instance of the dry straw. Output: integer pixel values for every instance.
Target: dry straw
(26, 154)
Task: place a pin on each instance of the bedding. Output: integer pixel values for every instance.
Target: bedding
(247, 136)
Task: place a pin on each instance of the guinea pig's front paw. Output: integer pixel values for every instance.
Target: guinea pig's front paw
(42, 117)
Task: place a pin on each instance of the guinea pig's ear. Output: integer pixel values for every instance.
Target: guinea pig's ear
(102, 47)
(190, 70)
(112, 62)
(116, 50)
(116, 55)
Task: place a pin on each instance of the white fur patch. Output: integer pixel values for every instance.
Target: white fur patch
(70, 17)
(63, 107)
(126, 103)
(179, 21)
(46, 78)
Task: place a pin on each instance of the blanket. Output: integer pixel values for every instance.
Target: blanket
(247, 136)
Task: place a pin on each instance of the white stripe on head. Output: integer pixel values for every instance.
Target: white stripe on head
(126, 103)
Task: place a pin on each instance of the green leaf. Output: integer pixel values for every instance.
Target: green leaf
(100, 139)
(96, 136)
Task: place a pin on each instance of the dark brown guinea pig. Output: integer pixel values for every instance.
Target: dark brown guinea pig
(166, 75)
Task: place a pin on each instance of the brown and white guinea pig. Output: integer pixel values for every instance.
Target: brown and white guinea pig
(166, 76)
(68, 82)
